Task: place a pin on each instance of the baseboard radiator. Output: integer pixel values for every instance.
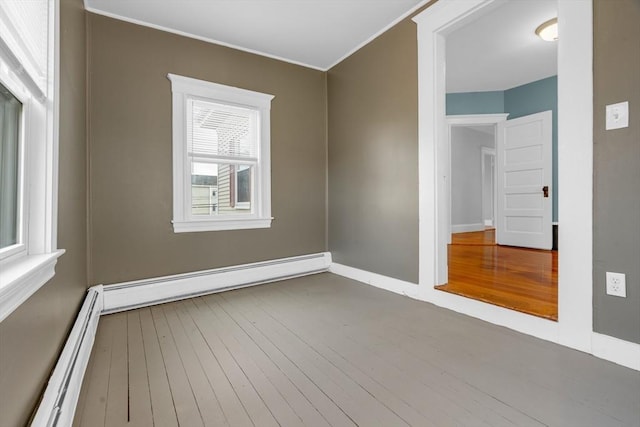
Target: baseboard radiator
(59, 401)
(60, 398)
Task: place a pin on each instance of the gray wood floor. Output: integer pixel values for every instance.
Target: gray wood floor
(327, 351)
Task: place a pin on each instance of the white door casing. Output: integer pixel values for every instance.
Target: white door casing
(575, 172)
(524, 155)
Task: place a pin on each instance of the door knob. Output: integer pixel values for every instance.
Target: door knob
(545, 190)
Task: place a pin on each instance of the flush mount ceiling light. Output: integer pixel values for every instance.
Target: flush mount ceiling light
(548, 31)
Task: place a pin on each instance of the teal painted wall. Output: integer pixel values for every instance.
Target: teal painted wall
(475, 103)
(534, 97)
(541, 95)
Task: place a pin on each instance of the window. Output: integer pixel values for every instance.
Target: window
(28, 149)
(10, 165)
(221, 152)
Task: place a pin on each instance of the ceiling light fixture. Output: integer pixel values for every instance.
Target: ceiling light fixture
(548, 31)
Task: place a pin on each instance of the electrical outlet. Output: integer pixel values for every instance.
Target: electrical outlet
(616, 284)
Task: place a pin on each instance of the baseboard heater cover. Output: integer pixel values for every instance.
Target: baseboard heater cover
(60, 398)
(160, 290)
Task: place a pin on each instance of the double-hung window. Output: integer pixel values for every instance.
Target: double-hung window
(221, 161)
(28, 148)
(11, 166)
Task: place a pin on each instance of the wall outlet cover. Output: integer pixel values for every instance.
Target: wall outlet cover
(616, 284)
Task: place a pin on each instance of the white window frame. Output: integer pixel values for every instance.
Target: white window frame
(185, 88)
(29, 264)
(17, 90)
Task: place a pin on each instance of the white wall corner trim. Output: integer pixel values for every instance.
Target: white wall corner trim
(615, 350)
(23, 277)
(196, 37)
(60, 398)
(159, 290)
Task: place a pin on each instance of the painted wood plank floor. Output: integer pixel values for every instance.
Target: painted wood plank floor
(520, 279)
(323, 350)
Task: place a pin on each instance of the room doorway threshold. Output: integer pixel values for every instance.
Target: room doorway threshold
(520, 279)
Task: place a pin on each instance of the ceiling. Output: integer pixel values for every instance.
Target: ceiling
(500, 50)
(313, 33)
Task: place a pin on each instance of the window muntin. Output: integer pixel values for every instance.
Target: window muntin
(221, 156)
(10, 170)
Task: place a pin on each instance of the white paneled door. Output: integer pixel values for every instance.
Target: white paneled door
(524, 182)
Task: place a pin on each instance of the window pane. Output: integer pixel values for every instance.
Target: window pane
(204, 188)
(243, 179)
(221, 189)
(10, 110)
(221, 130)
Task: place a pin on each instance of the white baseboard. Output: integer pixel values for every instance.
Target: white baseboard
(60, 398)
(159, 290)
(379, 281)
(520, 322)
(618, 351)
(466, 228)
(604, 347)
(488, 223)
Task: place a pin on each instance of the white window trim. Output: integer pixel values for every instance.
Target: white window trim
(183, 88)
(29, 265)
(27, 117)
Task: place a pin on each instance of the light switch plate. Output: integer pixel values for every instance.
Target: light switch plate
(617, 115)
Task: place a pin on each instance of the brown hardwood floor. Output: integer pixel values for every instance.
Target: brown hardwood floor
(520, 279)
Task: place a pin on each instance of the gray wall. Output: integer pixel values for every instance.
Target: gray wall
(130, 154)
(466, 175)
(373, 156)
(33, 335)
(370, 82)
(616, 207)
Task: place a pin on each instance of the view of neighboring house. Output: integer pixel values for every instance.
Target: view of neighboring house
(204, 194)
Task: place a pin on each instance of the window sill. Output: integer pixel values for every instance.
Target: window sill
(23, 277)
(220, 224)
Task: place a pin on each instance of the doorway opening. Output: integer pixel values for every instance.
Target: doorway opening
(489, 255)
(504, 69)
(575, 154)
